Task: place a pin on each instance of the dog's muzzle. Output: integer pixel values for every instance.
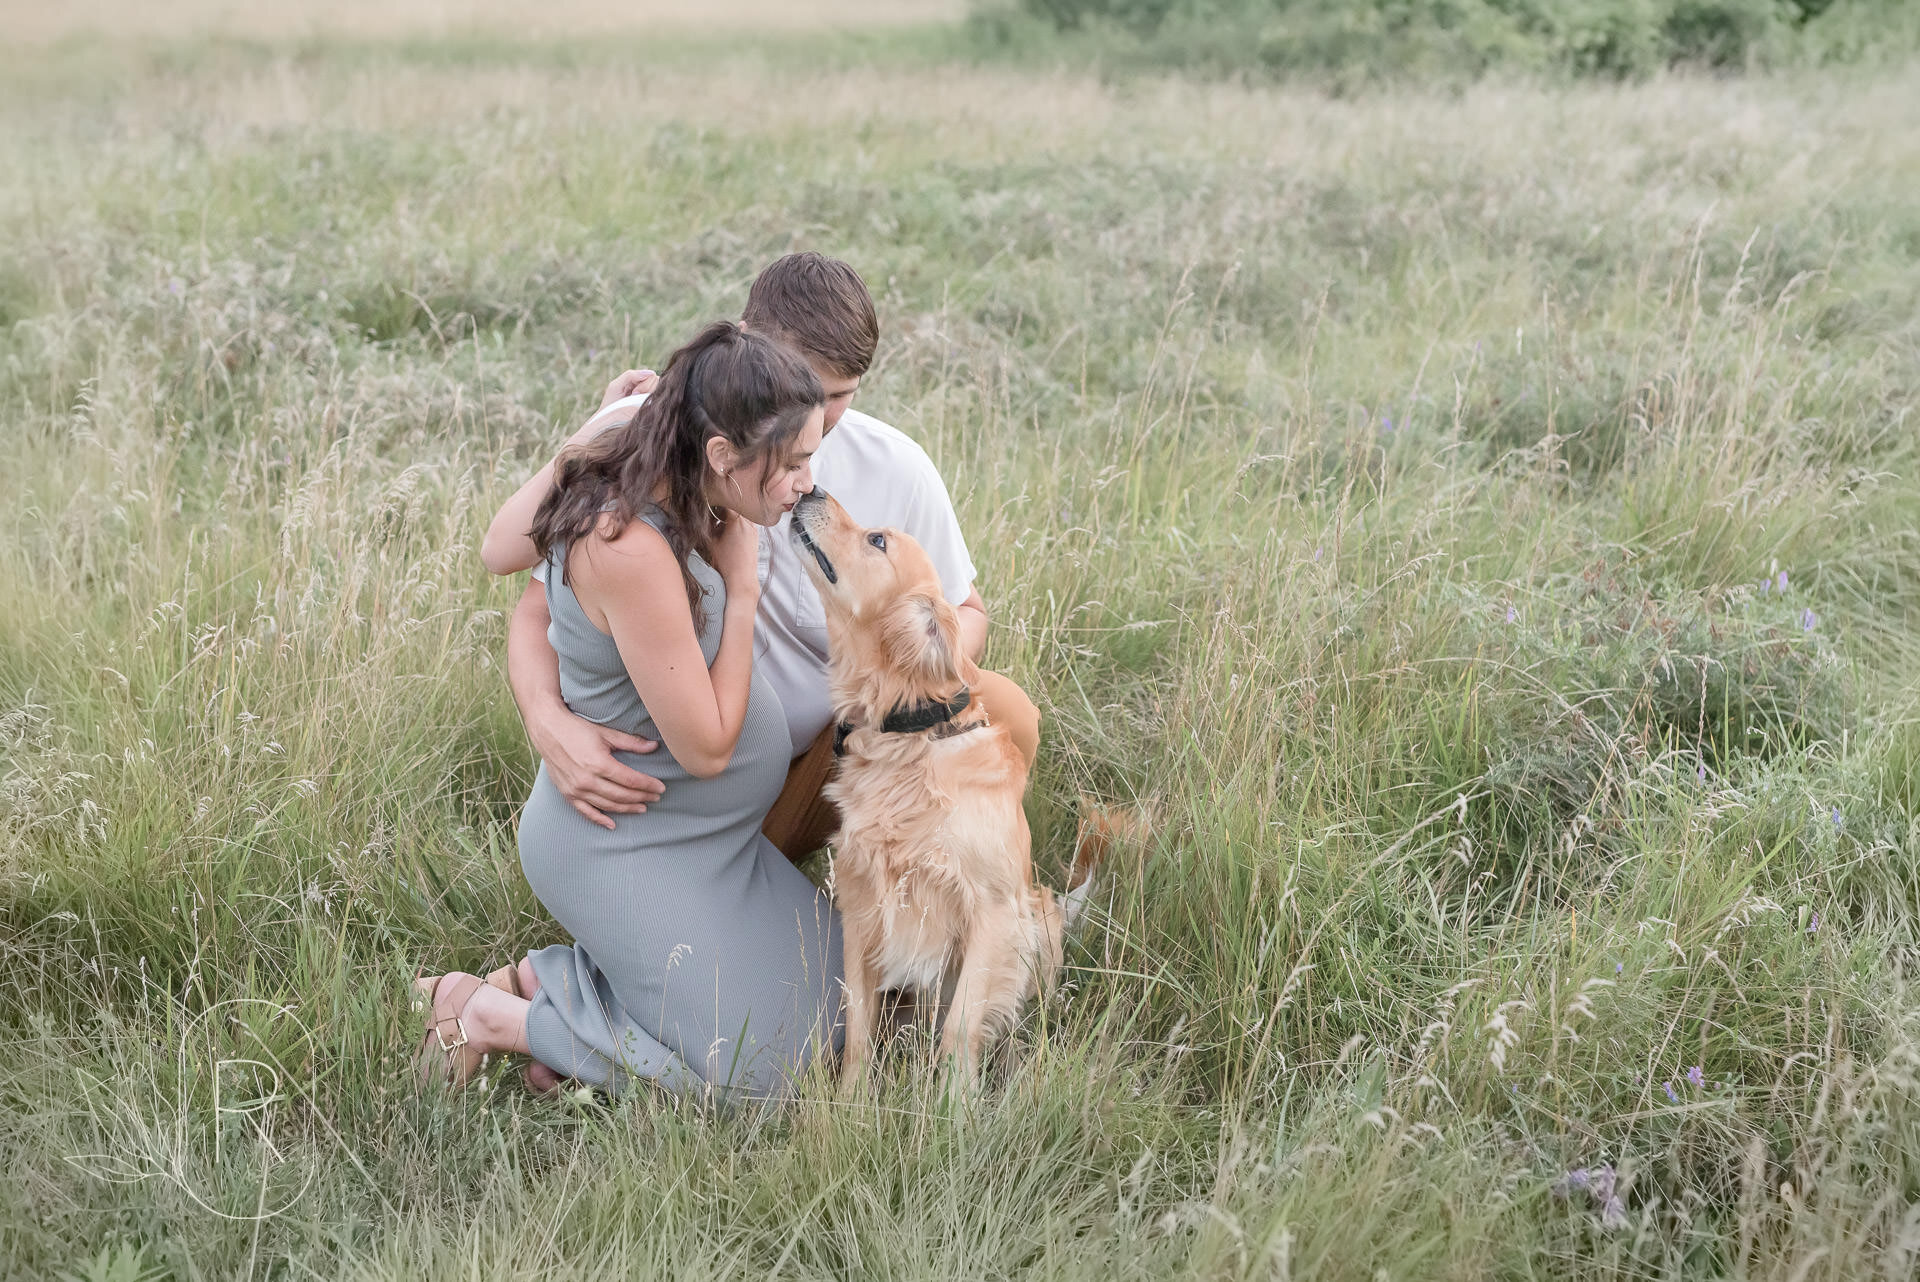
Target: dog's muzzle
(811, 506)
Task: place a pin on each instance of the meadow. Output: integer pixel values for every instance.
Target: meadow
(1479, 521)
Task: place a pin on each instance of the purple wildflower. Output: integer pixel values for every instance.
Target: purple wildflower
(1618, 967)
(1780, 583)
(1597, 1184)
(1697, 1077)
(1512, 614)
(1807, 619)
(1672, 1096)
(1839, 820)
(1613, 1215)
(1813, 926)
(1386, 422)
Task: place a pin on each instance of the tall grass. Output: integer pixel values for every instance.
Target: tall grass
(1480, 525)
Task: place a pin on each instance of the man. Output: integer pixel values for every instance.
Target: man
(821, 308)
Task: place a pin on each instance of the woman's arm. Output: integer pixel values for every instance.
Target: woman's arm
(507, 548)
(635, 582)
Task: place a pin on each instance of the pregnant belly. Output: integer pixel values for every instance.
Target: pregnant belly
(733, 802)
(761, 757)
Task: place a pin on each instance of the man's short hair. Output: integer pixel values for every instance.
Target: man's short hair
(819, 306)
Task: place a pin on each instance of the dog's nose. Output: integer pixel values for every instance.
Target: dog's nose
(811, 498)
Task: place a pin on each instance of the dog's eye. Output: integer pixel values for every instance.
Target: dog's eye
(878, 540)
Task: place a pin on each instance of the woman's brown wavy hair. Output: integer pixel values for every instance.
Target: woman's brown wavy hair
(728, 382)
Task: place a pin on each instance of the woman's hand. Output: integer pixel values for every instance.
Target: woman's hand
(634, 382)
(736, 555)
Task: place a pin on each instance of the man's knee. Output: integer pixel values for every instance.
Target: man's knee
(1008, 705)
(801, 820)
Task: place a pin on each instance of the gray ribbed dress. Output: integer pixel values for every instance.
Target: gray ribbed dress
(702, 958)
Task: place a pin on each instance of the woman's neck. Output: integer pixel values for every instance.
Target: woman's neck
(718, 492)
(664, 491)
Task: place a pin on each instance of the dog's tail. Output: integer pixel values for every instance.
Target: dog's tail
(1102, 830)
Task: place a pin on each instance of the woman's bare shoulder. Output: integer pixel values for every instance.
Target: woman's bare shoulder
(634, 557)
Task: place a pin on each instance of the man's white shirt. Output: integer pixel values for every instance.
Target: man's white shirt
(884, 479)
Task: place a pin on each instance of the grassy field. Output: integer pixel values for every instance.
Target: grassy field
(1481, 522)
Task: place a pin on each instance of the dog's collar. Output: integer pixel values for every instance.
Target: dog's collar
(936, 716)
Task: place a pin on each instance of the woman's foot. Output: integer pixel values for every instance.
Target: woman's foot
(518, 978)
(450, 1052)
(542, 1080)
(468, 1019)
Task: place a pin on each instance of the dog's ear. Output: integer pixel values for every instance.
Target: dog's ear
(922, 635)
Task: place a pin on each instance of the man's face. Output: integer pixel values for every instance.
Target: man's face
(840, 390)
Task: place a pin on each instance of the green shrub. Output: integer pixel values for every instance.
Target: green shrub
(1464, 38)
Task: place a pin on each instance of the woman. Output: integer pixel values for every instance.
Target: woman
(702, 958)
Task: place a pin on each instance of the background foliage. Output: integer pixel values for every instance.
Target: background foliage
(1349, 42)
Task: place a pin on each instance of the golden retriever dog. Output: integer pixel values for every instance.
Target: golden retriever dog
(932, 866)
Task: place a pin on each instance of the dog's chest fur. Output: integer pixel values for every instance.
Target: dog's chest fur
(924, 848)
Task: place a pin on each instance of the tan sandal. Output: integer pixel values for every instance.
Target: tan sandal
(446, 1055)
(507, 979)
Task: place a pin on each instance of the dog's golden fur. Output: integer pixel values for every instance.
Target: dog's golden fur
(933, 865)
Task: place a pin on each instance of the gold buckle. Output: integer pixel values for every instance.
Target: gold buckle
(441, 1037)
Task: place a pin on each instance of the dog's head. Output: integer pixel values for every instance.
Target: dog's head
(894, 637)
